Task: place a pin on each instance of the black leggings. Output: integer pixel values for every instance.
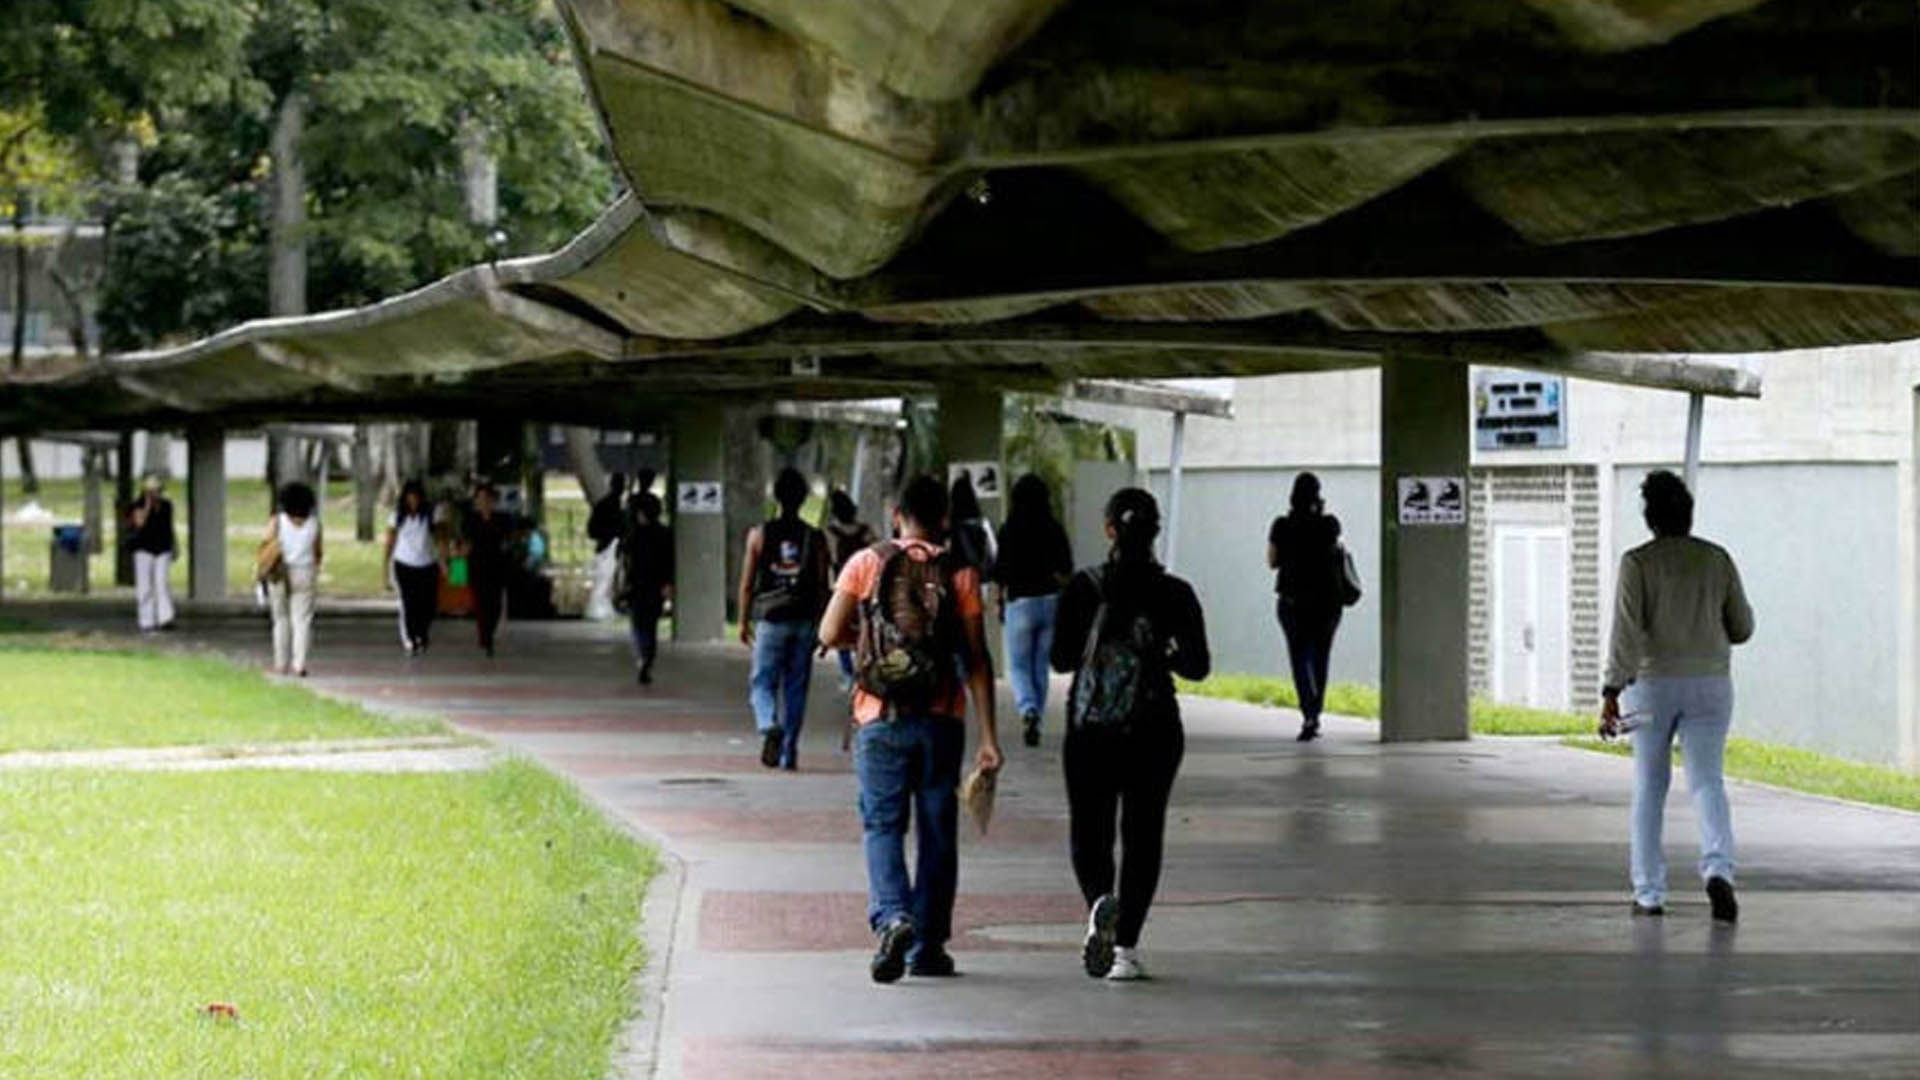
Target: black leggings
(1131, 773)
(489, 600)
(1309, 634)
(419, 597)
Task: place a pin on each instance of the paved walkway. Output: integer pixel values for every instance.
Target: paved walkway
(1338, 909)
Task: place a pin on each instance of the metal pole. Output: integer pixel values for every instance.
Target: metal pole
(1173, 489)
(1696, 409)
(858, 480)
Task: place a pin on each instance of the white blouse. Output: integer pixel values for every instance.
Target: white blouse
(298, 541)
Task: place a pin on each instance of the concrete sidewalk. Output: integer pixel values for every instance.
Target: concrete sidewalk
(1337, 909)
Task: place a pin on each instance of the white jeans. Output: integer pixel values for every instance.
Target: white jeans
(1699, 711)
(152, 597)
(291, 602)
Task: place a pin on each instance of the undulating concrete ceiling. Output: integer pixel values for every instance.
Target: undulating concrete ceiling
(1031, 191)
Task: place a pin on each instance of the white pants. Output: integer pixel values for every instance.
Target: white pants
(291, 602)
(600, 599)
(152, 596)
(1698, 712)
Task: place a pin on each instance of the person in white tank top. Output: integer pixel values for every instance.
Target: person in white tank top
(290, 596)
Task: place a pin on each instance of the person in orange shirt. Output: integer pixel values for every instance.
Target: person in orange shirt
(909, 611)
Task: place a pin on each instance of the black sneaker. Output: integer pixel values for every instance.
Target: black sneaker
(933, 964)
(1309, 730)
(770, 748)
(890, 960)
(1720, 895)
(1643, 911)
(645, 678)
(1030, 731)
(1097, 951)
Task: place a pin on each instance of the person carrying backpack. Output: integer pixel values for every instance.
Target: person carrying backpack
(1124, 630)
(911, 612)
(783, 586)
(644, 578)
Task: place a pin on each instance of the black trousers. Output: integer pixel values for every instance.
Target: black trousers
(489, 600)
(1309, 634)
(1128, 775)
(419, 598)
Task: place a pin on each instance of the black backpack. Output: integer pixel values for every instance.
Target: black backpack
(909, 630)
(1121, 672)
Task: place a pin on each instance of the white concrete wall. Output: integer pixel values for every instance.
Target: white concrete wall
(246, 458)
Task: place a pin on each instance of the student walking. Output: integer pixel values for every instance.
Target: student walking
(646, 564)
(971, 538)
(414, 563)
(783, 587)
(1679, 610)
(1035, 560)
(154, 549)
(485, 536)
(1303, 548)
(604, 526)
(290, 590)
(1125, 629)
(913, 611)
(847, 535)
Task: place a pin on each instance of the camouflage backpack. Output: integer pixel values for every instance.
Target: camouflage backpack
(1119, 675)
(908, 631)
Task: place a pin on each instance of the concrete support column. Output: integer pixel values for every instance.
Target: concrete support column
(93, 462)
(970, 430)
(700, 539)
(366, 486)
(122, 499)
(1424, 432)
(207, 510)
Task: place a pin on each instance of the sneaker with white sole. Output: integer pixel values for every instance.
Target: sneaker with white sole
(1097, 952)
(1126, 966)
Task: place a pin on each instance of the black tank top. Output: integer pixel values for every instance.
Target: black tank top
(786, 586)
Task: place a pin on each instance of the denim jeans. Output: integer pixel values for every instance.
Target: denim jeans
(782, 671)
(1029, 640)
(1309, 634)
(643, 628)
(1698, 711)
(910, 767)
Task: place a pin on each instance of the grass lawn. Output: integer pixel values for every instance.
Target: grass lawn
(472, 924)
(63, 697)
(1784, 766)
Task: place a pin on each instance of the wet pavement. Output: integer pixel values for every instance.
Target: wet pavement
(1341, 908)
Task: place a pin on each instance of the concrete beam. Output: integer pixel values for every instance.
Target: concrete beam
(318, 370)
(1155, 396)
(1424, 432)
(207, 513)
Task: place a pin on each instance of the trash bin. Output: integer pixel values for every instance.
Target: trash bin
(67, 559)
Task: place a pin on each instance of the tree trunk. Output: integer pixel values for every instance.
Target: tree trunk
(122, 501)
(286, 252)
(479, 173)
(584, 451)
(29, 483)
(365, 495)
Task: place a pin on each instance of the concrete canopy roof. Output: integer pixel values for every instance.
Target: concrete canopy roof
(1029, 192)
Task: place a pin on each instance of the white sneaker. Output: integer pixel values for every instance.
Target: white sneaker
(1126, 966)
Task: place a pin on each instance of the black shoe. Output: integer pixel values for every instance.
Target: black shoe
(1309, 731)
(933, 964)
(790, 765)
(1030, 733)
(645, 677)
(1642, 911)
(1720, 894)
(890, 960)
(770, 748)
(1096, 952)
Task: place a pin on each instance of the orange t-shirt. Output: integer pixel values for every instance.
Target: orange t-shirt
(859, 580)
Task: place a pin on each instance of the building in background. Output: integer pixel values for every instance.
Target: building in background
(1811, 487)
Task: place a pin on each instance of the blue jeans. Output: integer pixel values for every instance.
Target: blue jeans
(782, 670)
(1309, 633)
(1029, 640)
(911, 767)
(1699, 711)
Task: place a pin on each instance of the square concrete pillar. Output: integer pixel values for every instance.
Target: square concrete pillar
(1425, 439)
(700, 524)
(971, 431)
(207, 514)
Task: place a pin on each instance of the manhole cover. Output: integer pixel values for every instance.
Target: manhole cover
(696, 781)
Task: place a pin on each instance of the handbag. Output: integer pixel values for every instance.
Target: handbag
(1349, 584)
(269, 562)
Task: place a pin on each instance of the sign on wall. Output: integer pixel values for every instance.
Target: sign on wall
(1433, 500)
(1519, 410)
(700, 497)
(986, 476)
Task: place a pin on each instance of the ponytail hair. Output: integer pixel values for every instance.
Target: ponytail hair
(1134, 517)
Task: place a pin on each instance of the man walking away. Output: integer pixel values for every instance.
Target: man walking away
(783, 586)
(646, 553)
(1678, 613)
(913, 613)
(604, 526)
(154, 549)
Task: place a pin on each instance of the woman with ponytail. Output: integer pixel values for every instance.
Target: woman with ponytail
(1124, 630)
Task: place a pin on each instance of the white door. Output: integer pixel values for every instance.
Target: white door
(1530, 596)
